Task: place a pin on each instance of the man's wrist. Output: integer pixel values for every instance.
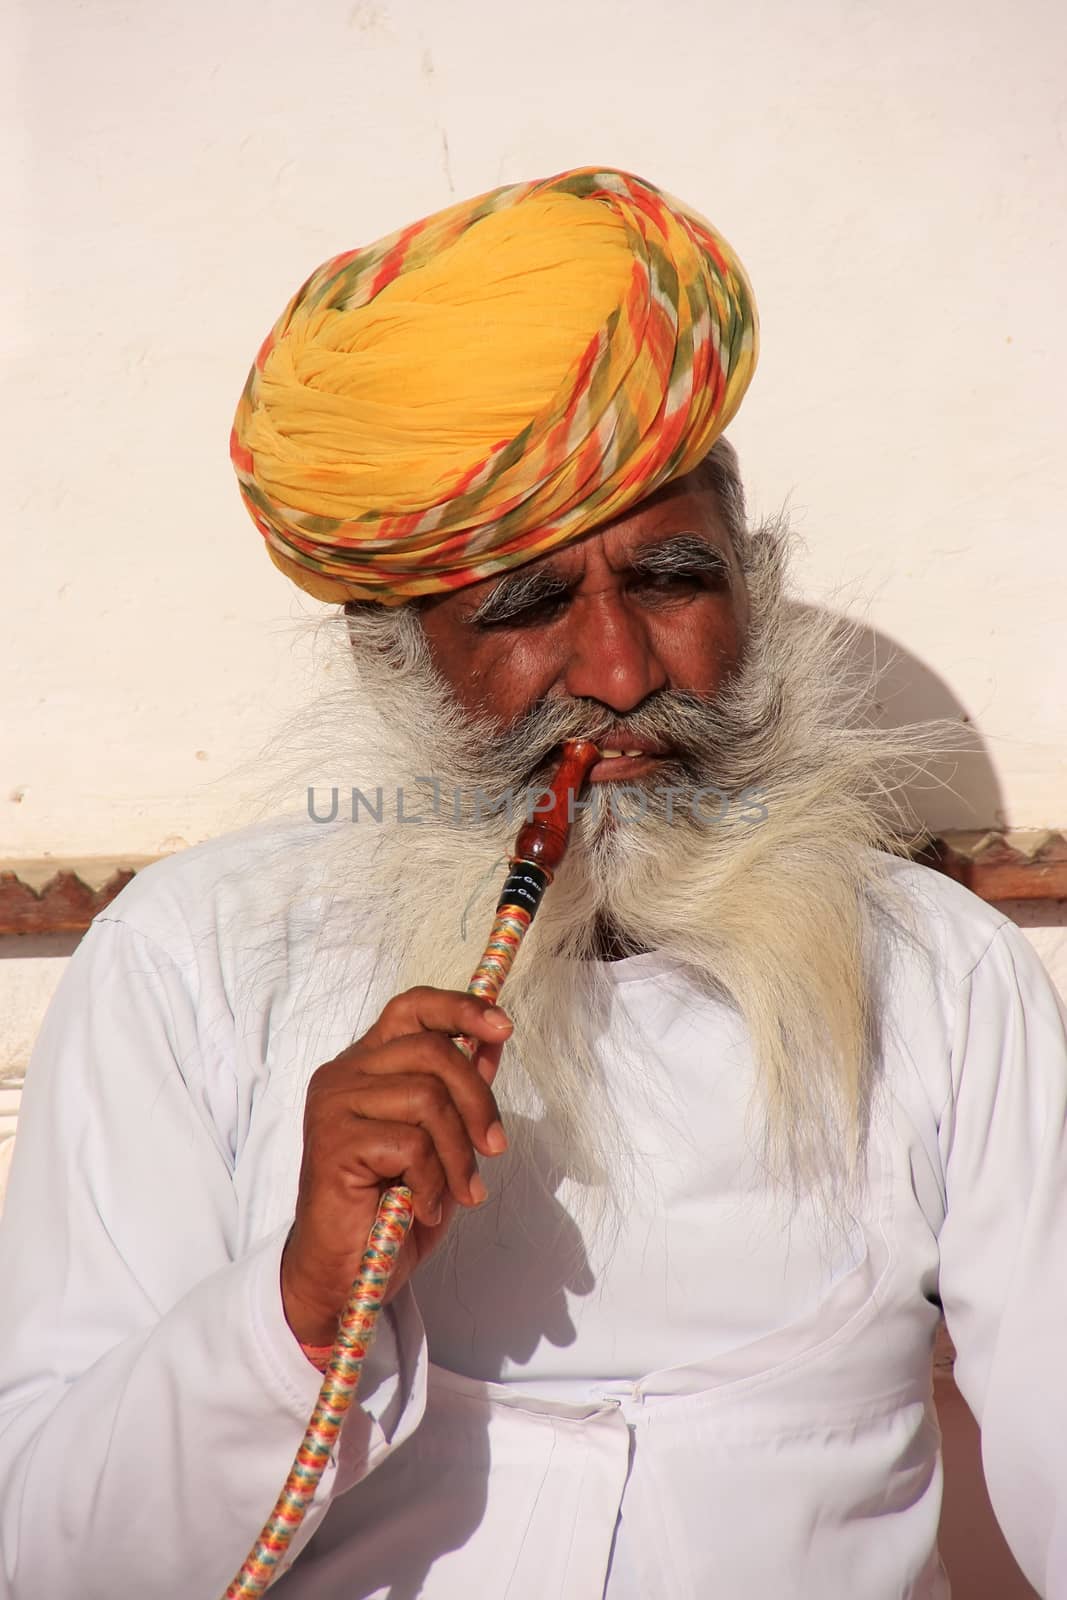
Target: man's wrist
(310, 1325)
(313, 1324)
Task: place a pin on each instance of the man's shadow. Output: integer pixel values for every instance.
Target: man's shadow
(498, 1287)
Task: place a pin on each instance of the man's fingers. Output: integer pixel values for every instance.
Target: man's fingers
(429, 1055)
(448, 1011)
(424, 1102)
(397, 1152)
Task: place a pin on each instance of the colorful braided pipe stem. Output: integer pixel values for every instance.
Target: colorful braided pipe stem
(355, 1334)
(505, 936)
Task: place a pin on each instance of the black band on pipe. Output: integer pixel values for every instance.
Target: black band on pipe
(524, 886)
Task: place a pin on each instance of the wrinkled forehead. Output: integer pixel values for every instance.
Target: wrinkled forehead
(686, 510)
(687, 505)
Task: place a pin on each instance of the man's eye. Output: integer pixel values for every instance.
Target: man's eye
(678, 584)
(671, 582)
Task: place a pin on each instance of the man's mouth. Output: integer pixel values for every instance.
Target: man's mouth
(625, 758)
(622, 757)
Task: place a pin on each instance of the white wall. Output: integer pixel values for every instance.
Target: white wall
(891, 171)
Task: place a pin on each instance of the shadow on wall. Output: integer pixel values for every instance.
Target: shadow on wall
(959, 791)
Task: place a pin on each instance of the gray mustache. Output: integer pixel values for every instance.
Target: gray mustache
(704, 735)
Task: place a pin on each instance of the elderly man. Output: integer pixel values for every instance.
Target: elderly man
(763, 1099)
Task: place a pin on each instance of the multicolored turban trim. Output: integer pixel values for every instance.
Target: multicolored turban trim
(489, 384)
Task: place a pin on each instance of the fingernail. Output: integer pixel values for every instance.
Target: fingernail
(496, 1014)
(496, 1138)
(479, 1193)
(436, 1214)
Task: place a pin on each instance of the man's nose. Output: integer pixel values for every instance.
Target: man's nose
(610, 655)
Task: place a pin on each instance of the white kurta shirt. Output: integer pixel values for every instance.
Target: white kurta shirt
(724, 1399)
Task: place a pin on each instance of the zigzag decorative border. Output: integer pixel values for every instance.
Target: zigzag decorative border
(54, 896)
(58, 896)
(999, 864)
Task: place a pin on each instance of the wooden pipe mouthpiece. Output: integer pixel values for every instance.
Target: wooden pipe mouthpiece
(543, 840)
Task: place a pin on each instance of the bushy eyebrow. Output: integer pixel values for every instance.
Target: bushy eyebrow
(518, 592)
(682, 555)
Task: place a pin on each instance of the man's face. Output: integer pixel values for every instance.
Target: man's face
(653, 601)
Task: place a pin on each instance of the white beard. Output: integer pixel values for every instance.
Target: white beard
(774, 917)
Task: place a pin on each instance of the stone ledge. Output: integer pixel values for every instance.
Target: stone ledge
(999, 864)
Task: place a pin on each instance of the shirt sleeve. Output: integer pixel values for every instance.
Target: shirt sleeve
(1004, 1244)
(152, 1395)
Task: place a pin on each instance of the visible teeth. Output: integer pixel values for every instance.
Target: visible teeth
(613, 755)
(633, 752)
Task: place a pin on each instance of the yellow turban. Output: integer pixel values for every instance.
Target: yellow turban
(490, 383)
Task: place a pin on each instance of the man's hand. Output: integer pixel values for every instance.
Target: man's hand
(401, 1105)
